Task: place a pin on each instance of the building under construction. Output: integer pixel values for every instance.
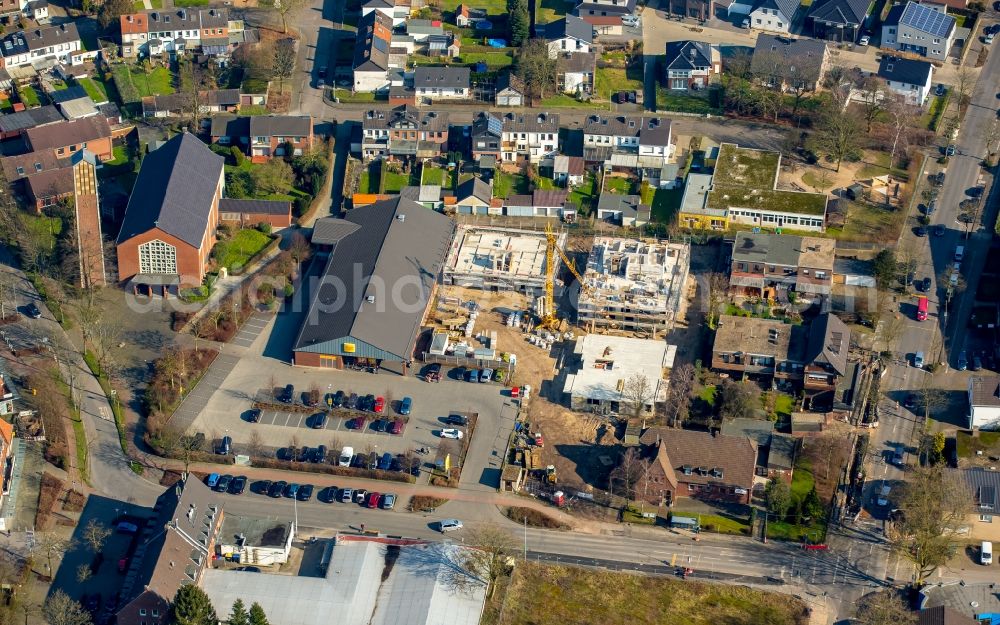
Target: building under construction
(499, 259)
(633, 285)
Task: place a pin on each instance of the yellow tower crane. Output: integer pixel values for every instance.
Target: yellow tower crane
(549, 319)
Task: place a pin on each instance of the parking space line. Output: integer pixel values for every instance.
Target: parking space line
(288, 418)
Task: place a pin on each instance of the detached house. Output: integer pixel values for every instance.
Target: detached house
(691, 65)
(66, 138)
(984, 402)
(403, 133)
(697, 465)
(575, 72)
(919, 29)
(623, 210)
(442, 83)
(371, 55)
(569, 34)
(272, 135)
(789, 63)
(909, 78)
(773, 15)
(838, 20)
(466, 16)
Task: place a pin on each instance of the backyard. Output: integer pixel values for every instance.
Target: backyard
(95, 90)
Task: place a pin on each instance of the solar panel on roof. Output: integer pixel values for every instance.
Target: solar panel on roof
(987, 497)
(380, 44)
(927, 20)
(494, 125)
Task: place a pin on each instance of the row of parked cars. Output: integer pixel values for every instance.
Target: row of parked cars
(347, 401)
(478, 375)
(330, 494)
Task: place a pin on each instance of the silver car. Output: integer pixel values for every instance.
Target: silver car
(450, 525)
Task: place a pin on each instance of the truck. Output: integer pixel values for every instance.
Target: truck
(959, 253)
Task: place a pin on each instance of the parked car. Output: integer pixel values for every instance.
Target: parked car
(950, 150)
(925, 285)
(864, 40)
(291, 490)
(319, 421)
(347, 495)
(897, 455)
(225, 446)
(359, 495)
(351, 403)
(338, 399)
(450, 525)
(379, 425)
(745, 23)
(939, 230)
(433, 372)
(405, 405)
(277, 489)
(486, 375)
(472, 375)
(367, 403)
(457, 419)
(918, 360)
(254, 415)
(385, 461)
(452, 433)
(238, 485)
(212, 480)
(32, 311)
(940, 90)
(327, 495)
(345, 456)
(938, 179)
(910, 402)
(388, 501)
(305, 492)
(379, 406)
(963, 361)
(357, 423)
(373, 500)
(288, 395)
(319, 455)
(261, 486)
(977, 362)
(921, 231)
(397, 427)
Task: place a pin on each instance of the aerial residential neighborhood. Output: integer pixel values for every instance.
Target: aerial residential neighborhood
(518, 312)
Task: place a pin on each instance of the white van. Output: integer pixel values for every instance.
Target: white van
(986, 553)
(345, 456)
(959, 253)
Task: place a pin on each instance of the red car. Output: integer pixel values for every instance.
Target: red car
(397, 427)
(379, 405)
(373, 500)
(357, 423)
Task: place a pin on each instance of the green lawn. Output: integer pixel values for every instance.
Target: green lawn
(505, 184)
(347, 97)
(545, 184)
(393, 181)
(180, 4)
(434, 175)
(59, 85)
(707, 395)
(159, 81)
(618, 185)
(29, 97)
(802, 478)
(718, 523)
(583, 195)
(254, 109)
(120, 156)
(94, 89)
(6, 106)
(609, 79)
(967, 446)
(667, 100)
(495, 60)
(45, 228)
(547, 11)
(566, 101)
(666, 203)
(492, 7)
(783, 405)
(235, 252)
(365, 182)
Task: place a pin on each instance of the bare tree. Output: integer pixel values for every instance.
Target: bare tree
(83, 573)
(718, 295)
(838, 134)
(283, 8)
(60, 609)
(628, 472)
(679, 391)
(965, 79)
(933, 506)
(870, 89)
(639, 391)
(885, 608)
(902, 119)
(50, 545)
(95, 534)
(489, 560)
(255, 444)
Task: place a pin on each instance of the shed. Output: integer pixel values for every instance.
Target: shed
(855, 191)
(685, 523)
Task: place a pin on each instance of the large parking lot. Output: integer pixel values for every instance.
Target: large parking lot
(231, 397)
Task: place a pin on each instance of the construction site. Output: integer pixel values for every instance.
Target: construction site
(499, 259)
(633, 285)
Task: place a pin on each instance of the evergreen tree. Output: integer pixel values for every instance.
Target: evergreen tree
(518, 21)
(257, 616)
(192, 606)
(239, 614)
